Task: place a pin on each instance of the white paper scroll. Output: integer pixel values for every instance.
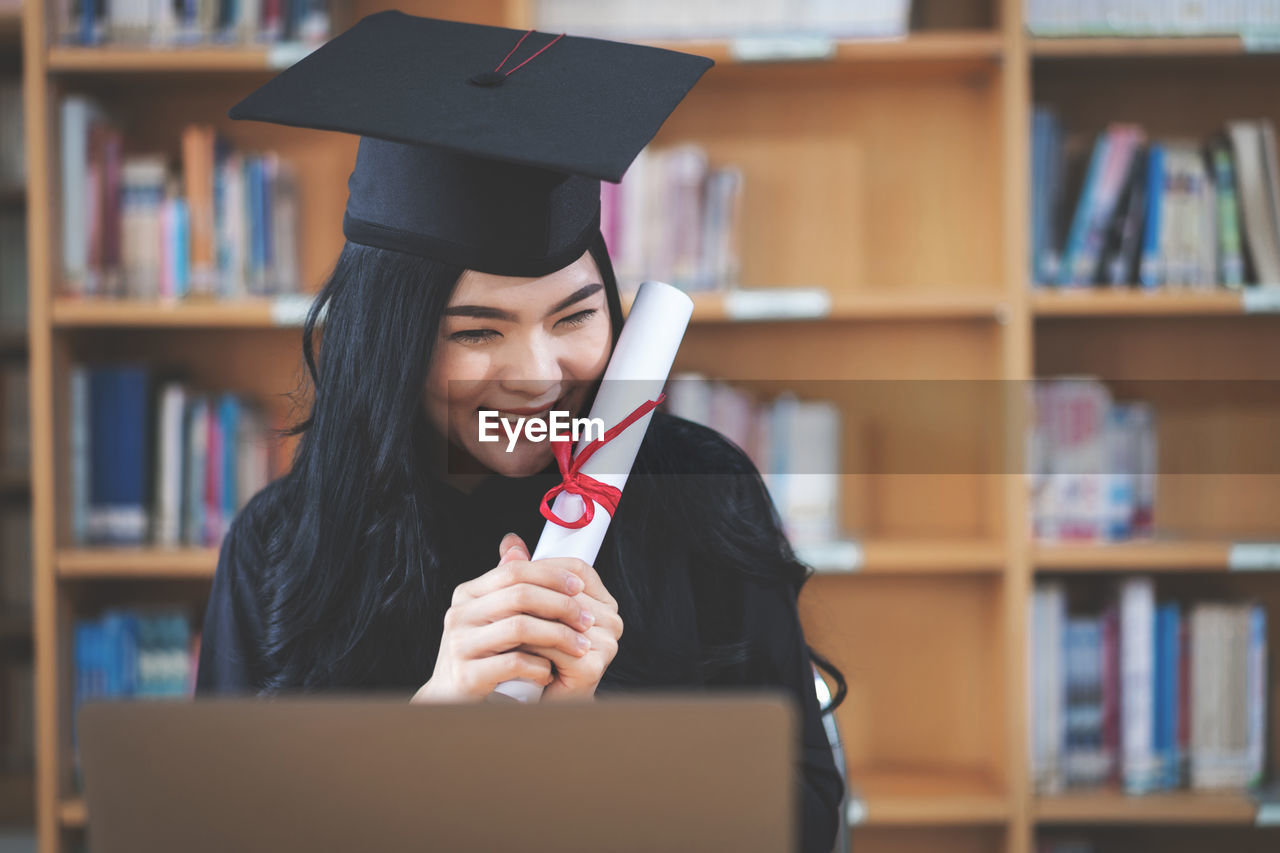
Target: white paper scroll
(636, 373)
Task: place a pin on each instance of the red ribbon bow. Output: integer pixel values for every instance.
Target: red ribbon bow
(591, 490)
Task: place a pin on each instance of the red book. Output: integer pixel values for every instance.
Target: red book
(213, 475)
(1111, 691)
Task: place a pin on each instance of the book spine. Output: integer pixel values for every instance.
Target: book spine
(1231, 258)
(1256, 742)
(1137, 626)
(1151, 270)
(1075, 269)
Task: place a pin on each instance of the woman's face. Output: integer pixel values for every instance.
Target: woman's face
(520, 346)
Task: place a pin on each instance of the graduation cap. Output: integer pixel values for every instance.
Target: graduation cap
(482, 146)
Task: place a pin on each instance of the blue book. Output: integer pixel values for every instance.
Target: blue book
(229, 416)
(89, 676)
(176, 634)
(91, 15)
(1168, 624)
(257, 216)
(181, 248)
(1150, 271)
(1042, 196)
(118, 454)
(120, 653)
(1073, 252)
(193, 477)
(268, 222)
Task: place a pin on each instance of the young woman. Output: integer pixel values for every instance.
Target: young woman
(395, 553)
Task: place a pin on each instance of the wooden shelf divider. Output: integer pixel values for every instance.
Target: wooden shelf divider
(1173, 807)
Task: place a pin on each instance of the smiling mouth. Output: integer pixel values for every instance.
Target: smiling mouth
(514, 416)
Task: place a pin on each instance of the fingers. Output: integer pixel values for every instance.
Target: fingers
(514, 566)
(519, 630)
(592, 584)
(552, 574)
(512, 547)
(573, 611)
(480, 677)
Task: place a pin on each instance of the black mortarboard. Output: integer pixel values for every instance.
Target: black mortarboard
(472, 152)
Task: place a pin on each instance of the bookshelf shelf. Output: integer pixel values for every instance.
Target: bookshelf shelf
(113, 59)
(1155, 556)
(136, 563)
(709, 308)
(263, 313)
(1084, 48)
(819, 305)
(877, 557)
(925, 796)
(918, 47)
(1177, 807)
(927, 557)
(1134, 302)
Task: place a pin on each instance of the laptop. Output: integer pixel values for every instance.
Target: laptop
(314, 775)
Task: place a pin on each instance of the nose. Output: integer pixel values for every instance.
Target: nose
(534, 367)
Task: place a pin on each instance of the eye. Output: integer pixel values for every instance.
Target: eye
(577, 319)
(474, 336)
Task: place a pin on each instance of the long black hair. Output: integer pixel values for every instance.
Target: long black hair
(353, 553)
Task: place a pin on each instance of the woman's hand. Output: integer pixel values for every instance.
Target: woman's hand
(575, 677)
(496, 618)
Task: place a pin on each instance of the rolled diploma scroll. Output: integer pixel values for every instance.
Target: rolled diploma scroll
(636, 373)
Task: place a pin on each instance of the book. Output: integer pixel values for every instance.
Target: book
(118, 438)
(1048, 693)
(1257, 199)
(223, 224)
(1157, 694)
(794, 443)
(676, 217)
(1137, 657)
(1231, 256)
(155, 461)
(187, 22)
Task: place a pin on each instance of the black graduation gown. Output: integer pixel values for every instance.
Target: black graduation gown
(692, 496)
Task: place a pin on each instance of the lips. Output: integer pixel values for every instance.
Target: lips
(527, 412)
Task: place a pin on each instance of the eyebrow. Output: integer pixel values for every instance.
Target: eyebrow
(486, 312)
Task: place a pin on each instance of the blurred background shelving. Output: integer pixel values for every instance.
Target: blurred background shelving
(884, 237)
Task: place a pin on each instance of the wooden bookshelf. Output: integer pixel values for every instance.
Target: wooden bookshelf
(1133, 302)
(240, 314)
(1128, 48)
(1178, 807)
(920, 47)
(1150, 556)
(876, 557)
(779, 304)
(890, 179)
(137, 563)
(114, 59)
(925, 796)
